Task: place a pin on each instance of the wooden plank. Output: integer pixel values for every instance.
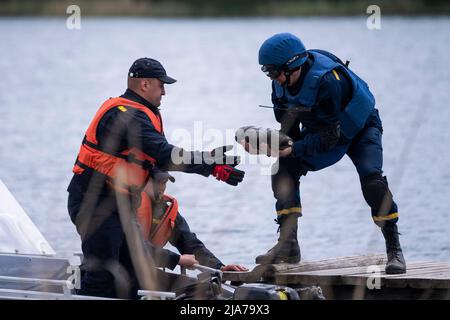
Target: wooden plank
(414, 281)
(351, 280)
(342, 262)
(333, 272)
(430, 277)
(268, 271)
(416, 269)
(428, 272)
(349, 271)
(421, 275)
(361, 271)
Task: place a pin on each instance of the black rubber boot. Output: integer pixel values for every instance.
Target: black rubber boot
(396, 262)
(287, 249)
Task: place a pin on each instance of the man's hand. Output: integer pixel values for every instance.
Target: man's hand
(228, 174)
(285, 152)
(224, 166)
(248, 147)
(187, 260)
(218, 156)
(233, 267)
(265, 149)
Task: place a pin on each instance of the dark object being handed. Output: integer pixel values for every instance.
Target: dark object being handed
(258, 140)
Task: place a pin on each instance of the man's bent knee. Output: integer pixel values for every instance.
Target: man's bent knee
(376, 193)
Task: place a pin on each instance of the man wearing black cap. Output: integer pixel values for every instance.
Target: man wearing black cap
(154, 74)
(123, 145)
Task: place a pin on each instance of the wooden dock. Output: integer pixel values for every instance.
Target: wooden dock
(356, 278)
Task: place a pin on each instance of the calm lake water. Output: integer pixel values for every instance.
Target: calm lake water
(54, 79)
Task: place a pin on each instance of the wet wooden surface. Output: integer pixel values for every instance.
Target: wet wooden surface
(357, 271)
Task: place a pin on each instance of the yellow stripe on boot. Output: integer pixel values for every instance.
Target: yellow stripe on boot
(391, 216)
(290, 210)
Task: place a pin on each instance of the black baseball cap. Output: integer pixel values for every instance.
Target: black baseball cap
(159, 175)
(149, 68)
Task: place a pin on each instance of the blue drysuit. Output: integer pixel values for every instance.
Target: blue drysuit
(328, 118)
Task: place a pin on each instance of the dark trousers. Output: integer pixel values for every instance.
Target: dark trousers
(365, 151)
(107, 270)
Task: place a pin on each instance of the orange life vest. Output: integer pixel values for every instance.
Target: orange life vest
(163, 227)
(128, 170)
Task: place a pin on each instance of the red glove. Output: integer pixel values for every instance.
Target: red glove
(228, 174)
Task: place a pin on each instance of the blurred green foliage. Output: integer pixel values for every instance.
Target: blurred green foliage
(214, 8)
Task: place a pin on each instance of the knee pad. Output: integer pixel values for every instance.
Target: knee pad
(376, 192)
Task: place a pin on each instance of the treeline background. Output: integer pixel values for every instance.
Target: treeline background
(208, 8)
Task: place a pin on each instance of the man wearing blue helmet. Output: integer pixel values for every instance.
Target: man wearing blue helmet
(337, 114)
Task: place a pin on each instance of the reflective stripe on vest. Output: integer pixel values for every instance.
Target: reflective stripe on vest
(129, 169)
(162, 231)
(354, 115)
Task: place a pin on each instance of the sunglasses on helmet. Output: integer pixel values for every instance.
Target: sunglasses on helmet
(271, 71)
(274, 71)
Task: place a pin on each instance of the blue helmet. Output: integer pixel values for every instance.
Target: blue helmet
(283, 49)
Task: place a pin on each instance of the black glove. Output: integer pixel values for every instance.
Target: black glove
(223, 166)
(218, 156)
(228, 174)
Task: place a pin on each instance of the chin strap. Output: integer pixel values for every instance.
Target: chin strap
(288, 74)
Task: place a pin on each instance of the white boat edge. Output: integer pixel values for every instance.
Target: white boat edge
(18, 233)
